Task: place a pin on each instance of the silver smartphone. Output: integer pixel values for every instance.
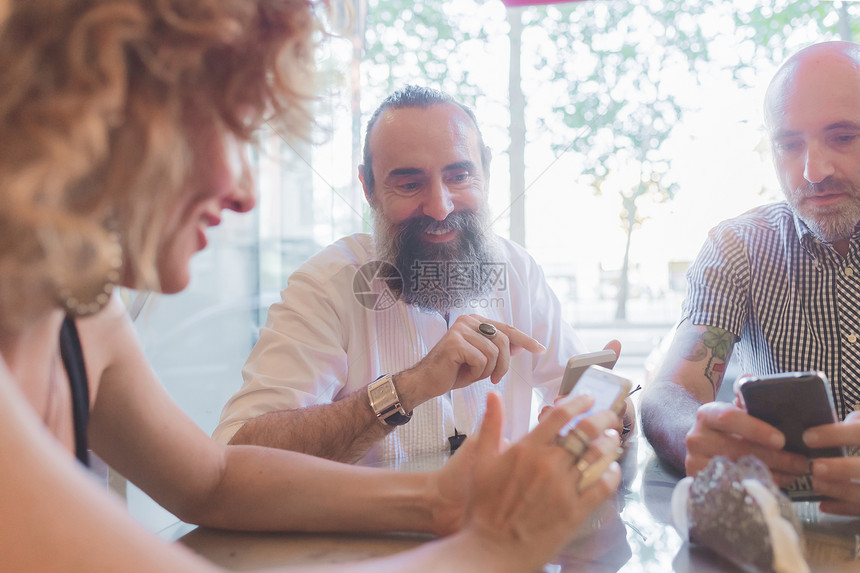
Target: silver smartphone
(606, 387)
(577, 365)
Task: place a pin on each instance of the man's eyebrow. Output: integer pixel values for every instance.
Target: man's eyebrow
(404, 171)
(410, 171)
(843, 125)
(784, 133)
(460, 165)
(831, 127)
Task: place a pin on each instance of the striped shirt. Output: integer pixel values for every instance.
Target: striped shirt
(790, 300)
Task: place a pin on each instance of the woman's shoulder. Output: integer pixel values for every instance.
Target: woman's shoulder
(107, 338)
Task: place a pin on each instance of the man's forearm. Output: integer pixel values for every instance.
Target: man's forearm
(690, 375)
(668, 413)
(344, 430)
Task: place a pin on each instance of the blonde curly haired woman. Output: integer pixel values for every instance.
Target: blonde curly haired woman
(122, 124)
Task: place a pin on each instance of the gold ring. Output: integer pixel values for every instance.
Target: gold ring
(594, 471)
(583, 437)
(582, 465)
(576, 442)
(572, 444)
(487, 329)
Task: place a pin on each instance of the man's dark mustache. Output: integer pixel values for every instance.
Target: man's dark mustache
(407, 237)
(456, 221)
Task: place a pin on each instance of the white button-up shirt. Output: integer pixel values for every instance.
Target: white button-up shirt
(322, 343)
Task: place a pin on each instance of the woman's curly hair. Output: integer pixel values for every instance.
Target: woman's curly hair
(93, 96)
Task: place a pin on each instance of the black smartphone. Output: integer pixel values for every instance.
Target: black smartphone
(792, 402)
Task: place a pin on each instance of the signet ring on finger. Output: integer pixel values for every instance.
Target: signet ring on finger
(487, 329)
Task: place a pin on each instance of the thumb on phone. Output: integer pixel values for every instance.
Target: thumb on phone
(614, 346)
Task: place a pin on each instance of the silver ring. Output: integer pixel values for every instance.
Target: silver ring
(576, 442)
(487, 329)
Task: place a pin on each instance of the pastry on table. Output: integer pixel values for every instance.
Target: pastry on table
(738, 511)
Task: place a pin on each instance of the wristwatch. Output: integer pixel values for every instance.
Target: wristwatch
(385, 402)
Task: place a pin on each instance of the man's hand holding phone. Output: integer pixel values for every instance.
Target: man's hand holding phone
(837, 478)
(724, 429)
(784, 420)
(793, 403)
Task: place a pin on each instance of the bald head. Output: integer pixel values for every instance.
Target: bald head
(829, 69)
(812, 114)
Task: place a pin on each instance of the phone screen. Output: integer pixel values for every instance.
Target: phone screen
(607, 388)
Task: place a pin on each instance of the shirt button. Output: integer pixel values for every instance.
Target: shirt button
(852, 338)
(849, 272)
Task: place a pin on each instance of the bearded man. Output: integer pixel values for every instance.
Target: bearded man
(385, 346)
(780, 283)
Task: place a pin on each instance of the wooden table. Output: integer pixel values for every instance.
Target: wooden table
(632, 533)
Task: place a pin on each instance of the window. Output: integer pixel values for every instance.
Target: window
(617, 97)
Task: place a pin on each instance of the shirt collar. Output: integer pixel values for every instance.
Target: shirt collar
(804, 235)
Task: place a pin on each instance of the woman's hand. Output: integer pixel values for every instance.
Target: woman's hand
(523, 503)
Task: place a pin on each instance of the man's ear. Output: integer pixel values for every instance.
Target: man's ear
(368, 193)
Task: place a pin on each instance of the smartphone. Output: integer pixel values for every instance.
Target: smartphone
(577, 365)
(792, 402)
(606, 387)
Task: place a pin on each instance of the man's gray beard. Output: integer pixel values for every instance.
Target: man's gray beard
(829, 224)
(400, 244)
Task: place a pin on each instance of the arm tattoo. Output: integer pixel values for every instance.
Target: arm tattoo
(719, 342)
(714, 345)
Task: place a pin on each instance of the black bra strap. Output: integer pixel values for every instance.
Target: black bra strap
(73, 360)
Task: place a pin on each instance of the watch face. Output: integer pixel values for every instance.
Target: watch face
(379, 394)
(382, 395)
(385, 402)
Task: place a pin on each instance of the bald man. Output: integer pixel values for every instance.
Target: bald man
(780, 284)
